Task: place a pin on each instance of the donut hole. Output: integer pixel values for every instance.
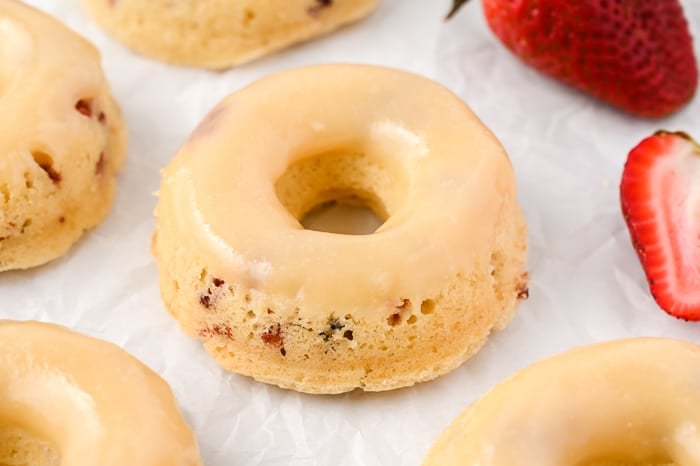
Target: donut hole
(350, 215)
(343, 192)
(20, 448)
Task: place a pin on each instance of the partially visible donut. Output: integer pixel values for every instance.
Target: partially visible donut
(68, 399)
(622, 403)
(220, 33)
(326, 313)
(63, 137)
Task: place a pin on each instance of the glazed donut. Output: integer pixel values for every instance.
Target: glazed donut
(64, 142)
(220, 33)
(68, 399)
(634, 401)
(326, 313)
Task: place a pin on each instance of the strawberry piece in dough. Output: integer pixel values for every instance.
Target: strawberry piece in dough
(660, 194)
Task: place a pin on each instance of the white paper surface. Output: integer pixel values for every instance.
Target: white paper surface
(567, 149)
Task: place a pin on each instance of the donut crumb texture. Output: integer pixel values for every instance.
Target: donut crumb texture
(413, 338)
(60, 195)
(49, 192)
(19, 448)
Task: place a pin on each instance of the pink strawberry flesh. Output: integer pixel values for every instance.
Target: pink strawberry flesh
(637, 55)
(660, 195)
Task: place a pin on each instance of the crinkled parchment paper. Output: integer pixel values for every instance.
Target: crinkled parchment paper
(567, 149)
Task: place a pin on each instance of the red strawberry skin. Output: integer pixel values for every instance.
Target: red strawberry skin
(634, 54)
(660, 195)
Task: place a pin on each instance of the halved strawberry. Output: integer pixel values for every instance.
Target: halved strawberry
(660, 194)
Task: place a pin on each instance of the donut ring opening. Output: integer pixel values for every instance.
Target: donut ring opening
(20, 447)
(348, 215)
(350, 176)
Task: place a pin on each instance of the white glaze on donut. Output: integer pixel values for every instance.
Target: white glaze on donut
(16, 50)
(627, 402)
(90, 400)
(442, 164)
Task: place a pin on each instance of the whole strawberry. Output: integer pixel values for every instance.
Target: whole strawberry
(660, 195)
(634, 54)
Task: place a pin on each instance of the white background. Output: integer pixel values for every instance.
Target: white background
(567, 149)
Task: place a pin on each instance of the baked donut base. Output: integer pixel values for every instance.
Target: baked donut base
(53, 223)
(268, 338)
(224, 34)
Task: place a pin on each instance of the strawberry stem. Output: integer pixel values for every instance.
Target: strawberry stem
(456, 5)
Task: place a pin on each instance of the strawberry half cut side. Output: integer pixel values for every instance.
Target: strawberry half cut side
(660, 195)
